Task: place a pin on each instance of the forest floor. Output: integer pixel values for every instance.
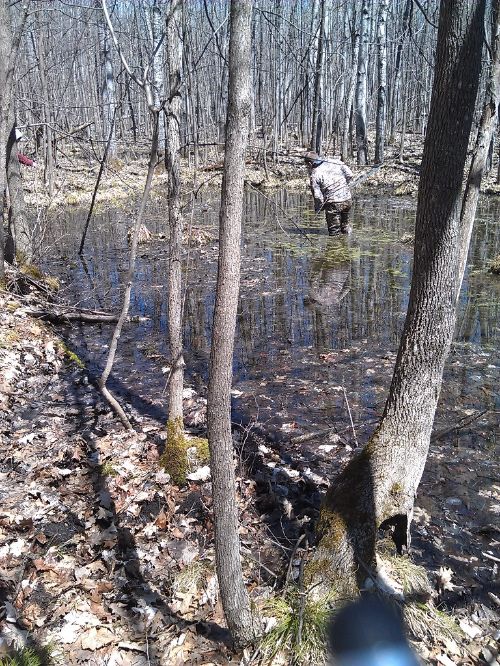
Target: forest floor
(108, 562)
(76, 176)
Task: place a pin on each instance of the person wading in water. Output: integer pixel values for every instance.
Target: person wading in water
(330, 188)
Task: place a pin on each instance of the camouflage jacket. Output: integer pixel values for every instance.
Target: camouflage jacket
(329, 182)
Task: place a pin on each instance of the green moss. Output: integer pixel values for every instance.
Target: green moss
(331, 525)
(71, 357)
(174, 459)
(396, 489)
(107, 469)
(202, 448)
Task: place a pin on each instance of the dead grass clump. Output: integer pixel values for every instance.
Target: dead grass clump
(298, 632)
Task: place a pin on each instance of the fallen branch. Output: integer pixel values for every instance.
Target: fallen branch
(463, 423)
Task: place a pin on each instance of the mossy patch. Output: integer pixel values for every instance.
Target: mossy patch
(107, 469)
(174, 459)
(71, 356)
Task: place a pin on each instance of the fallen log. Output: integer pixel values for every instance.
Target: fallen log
(60, 317)
(75, 314)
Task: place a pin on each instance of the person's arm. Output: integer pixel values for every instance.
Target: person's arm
(348, 174)
(317, 194)
(25, 160)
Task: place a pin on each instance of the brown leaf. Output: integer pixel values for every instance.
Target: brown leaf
(161, 520)
(97, 637)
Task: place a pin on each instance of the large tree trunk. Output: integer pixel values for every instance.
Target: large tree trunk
(19, 232)
(5, 103)
(361, 87)
(382, 82)
(234, 596)
(379, 485)
(9, 47)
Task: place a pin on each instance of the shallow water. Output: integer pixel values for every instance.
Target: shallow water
(319, 318)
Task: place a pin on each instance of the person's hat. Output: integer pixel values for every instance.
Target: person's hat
(313, 157)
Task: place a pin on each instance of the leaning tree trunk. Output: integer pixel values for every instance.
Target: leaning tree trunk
(361, 87)
(379, 485)
(234, 596)
(382, 82)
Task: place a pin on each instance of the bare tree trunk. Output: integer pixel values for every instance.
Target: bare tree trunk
(9, 47)
(5, 104)
(47, 115)
(350, 97)
(317, 117)
(382, 82)
(176, 380)
(396, 84)
(361, 87)
(108, 86)
(378, 486)
(21, 237)
(234, 596)
(157, 71)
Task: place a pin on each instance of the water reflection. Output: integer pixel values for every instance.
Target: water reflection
(315, 312)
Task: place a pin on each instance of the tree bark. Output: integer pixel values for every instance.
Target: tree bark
(382, 82)
(176, 380)
(396, 84)
(234, 596)
(5, 103)
(317, 117)
(19, 231)
(108, 86)
(361, 87)
(350, 97)
(378, 487)
(9, 47)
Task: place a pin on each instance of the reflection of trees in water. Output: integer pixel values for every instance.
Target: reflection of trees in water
(479, 308)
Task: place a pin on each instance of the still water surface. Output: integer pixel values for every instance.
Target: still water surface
(317, 315)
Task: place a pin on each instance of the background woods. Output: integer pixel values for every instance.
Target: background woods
(324, 75)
